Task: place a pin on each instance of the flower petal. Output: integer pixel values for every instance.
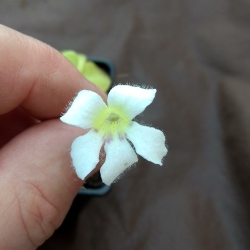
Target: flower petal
(119, 156)
(149, 142)
(83, 109)
(85, 152)
(133, 99)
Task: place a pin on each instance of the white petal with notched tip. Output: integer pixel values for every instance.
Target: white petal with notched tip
(133, 100)
(119, 156)
(149, 142)
(85, 152)
(83, 109)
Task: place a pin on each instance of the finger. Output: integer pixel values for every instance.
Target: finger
(37, 184)
(36, 76)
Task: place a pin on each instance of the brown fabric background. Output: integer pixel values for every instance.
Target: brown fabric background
(197, 54)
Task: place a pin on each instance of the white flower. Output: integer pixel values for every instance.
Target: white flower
(112, 125)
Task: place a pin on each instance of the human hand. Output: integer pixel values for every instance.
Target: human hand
(37, 181)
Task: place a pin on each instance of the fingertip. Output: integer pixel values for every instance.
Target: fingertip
(36, 76)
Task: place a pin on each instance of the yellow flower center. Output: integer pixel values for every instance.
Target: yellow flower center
(111, 122)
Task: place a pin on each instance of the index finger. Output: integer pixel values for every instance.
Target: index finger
(36, 77)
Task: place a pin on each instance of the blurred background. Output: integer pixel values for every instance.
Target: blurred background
(196, 53)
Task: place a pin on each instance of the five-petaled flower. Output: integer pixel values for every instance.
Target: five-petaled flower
(112, 126)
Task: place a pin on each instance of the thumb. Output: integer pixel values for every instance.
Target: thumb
(37, 184)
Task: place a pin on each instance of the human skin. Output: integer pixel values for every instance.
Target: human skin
(37, 182)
